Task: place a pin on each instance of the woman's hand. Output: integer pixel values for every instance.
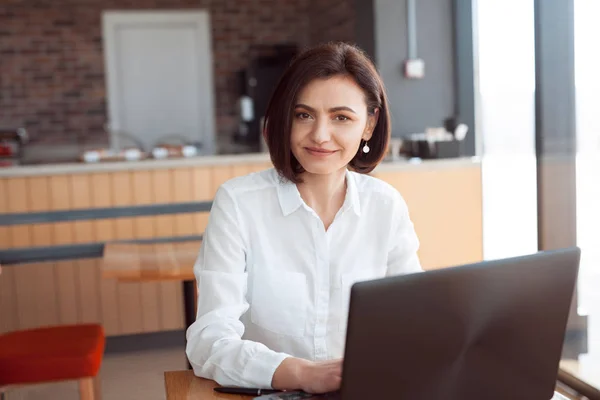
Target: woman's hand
(321, 377)
(309, 376)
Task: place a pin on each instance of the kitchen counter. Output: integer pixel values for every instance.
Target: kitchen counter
(201, 161)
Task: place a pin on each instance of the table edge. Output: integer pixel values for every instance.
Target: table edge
(578, 384)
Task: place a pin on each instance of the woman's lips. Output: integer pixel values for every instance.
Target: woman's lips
(318, 152)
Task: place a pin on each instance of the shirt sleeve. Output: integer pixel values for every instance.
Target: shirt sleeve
(214, 347)
(404, 243)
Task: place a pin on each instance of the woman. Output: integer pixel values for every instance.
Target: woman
(283, 247)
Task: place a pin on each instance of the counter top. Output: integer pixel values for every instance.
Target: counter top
(417, 163)
(217, 160)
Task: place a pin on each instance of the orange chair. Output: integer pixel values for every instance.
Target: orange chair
(58, 353)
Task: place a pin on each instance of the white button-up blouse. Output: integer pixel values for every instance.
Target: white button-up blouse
(273, 283)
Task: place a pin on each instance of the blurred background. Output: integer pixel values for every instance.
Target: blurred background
(119, 119)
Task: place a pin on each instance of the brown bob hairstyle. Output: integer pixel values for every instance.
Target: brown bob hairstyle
(322, 62)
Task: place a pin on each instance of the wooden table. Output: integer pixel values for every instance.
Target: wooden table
(183, 385)
(584, 382)
(135, 262)
(151, 262)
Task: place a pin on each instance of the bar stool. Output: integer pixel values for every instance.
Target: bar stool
(57, 353)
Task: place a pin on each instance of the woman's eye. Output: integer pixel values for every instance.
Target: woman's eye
(302, 115)
(342, 118)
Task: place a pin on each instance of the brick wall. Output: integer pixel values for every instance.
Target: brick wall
(52, 66)
(332, 20)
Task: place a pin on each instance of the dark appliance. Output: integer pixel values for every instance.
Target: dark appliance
(257, 84)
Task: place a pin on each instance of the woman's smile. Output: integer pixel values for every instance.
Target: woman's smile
(319, 152)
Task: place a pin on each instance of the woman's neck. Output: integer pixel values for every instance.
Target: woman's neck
(325, 194)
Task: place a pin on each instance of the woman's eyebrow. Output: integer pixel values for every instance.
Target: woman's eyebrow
(333, 109)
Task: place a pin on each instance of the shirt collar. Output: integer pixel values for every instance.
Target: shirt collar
(290, 199)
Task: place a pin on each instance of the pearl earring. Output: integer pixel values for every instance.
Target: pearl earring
(366, 148)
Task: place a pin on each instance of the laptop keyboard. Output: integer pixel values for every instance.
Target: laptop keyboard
(300, 396)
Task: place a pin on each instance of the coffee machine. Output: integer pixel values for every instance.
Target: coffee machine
(257, 83)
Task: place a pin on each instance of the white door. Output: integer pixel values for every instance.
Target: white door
(159, 76)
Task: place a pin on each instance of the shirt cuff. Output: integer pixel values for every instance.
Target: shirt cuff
(261, 368)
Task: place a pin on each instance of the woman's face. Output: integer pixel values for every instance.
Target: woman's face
(329, 121)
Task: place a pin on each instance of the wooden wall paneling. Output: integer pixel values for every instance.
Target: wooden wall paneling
(161, 188)
(446, 208)
(60, 199)
(40, 200)
(181, 186)
(144, 228)
(81, 197)
(66, 272)
(171, 293)
(17, 201)
(241, 169)
(101, 191)
(90, 278)
(171, 300)
(20, 236)
(45, 285)
(219, 175)
(88, 270)
(9, 316)
(130, 300)
(183, 191)
(122, 196)
(183, 180)
(261, 166)
(101, 186)
(201, 191)
(9, 307)
(4, 240)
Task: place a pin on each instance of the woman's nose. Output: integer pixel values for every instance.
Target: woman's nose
(321, 132)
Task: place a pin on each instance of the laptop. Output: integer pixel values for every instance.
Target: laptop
(490, 330)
